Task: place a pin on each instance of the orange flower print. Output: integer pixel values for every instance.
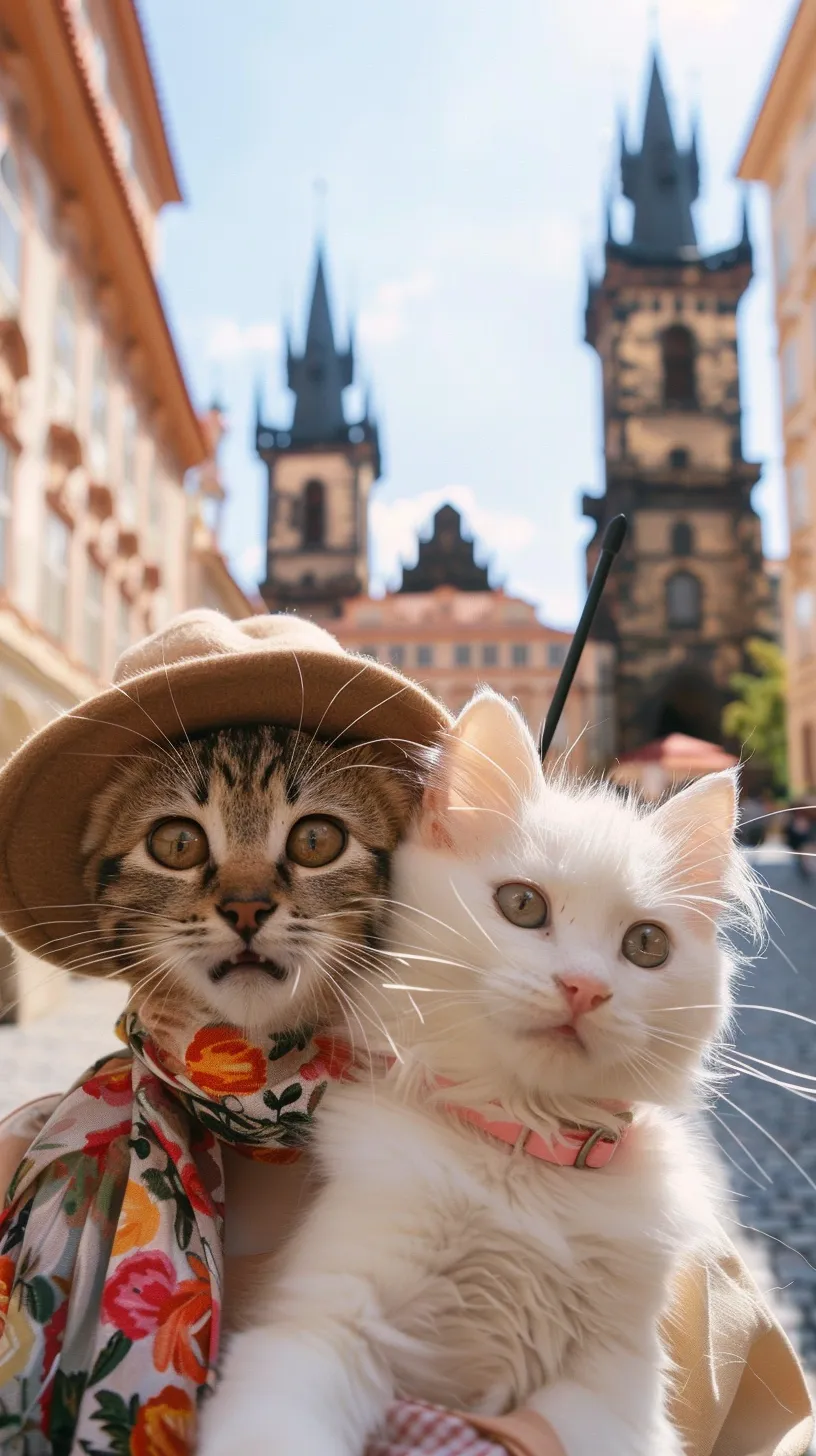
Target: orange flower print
(184, 1334)
(165, 1425)
(138, 1221)
(220, 1061)
(6, 1278)
(113, 1084)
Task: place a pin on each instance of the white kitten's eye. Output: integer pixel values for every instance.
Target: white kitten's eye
(523, 906)
(646, 945)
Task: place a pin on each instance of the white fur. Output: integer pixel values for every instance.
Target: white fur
(438, 1263)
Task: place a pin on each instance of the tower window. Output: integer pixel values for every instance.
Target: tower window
(678, 366)
(314, 513)
(682, 540)
(678, 459)
(683, 600)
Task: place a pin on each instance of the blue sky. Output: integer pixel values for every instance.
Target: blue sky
(466, 146)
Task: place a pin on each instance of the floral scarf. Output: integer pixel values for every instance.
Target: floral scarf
(111, 1241)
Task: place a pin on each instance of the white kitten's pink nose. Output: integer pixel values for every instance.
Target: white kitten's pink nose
(583, 993)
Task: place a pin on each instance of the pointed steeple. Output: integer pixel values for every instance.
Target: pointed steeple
(745, 240)
(318, 376)
(610, 228)
(661, 180)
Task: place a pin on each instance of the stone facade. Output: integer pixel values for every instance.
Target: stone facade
(781, 152)
(689, 588)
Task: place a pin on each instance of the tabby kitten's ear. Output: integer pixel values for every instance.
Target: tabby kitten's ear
(487, 765)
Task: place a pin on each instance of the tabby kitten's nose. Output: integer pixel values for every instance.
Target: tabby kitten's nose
(245, 916)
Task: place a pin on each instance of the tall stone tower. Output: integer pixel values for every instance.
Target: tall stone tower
(320, 471)
(690, 587)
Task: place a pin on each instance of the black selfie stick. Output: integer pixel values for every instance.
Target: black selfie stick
(610, 546)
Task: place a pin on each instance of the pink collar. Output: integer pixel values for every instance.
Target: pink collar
(571, 1147)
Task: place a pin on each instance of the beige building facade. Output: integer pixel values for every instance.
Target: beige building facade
(781, 152)
(105, 465)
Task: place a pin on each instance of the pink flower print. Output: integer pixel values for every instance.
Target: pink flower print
(135, 1295)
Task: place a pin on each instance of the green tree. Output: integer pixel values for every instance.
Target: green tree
(756, 717)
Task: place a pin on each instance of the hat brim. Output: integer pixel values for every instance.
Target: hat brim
(48, 785)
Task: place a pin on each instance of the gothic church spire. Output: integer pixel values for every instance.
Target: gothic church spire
(318, 376)
(661, 180)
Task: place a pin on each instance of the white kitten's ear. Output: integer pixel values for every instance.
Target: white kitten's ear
(488, 764)
(699, 823)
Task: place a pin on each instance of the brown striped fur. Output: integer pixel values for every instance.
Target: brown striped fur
(159, 928)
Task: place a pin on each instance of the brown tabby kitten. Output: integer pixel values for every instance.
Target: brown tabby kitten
(244, 874)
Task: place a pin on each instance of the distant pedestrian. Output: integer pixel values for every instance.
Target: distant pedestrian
(752, 823)
(797, 837)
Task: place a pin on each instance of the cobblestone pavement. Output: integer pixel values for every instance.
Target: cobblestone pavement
(776, 1201)
(775, 1209)
(48, 1054)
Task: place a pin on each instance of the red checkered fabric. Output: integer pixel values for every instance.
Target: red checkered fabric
(415, 1429)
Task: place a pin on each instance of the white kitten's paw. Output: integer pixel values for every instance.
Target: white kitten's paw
(256, 1430)
(263, 1405)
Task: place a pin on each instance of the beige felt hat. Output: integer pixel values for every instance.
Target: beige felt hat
(200, 671)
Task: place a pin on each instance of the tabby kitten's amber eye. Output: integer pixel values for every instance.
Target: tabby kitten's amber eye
(315, 842)
(646, 946)
(178, 844)
(523, 906)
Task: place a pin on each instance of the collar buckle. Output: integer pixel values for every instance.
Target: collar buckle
(600, 1135)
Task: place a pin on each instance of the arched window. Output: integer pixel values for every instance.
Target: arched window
(11, 196)
(683, 600)
(314, 513)
(682, 539)
(678, 366)
(678, 459)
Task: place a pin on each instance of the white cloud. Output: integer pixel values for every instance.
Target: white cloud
(395, 526)
(230, 340)
(388, 315)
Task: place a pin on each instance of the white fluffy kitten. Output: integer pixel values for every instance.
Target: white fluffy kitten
(561, 945)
